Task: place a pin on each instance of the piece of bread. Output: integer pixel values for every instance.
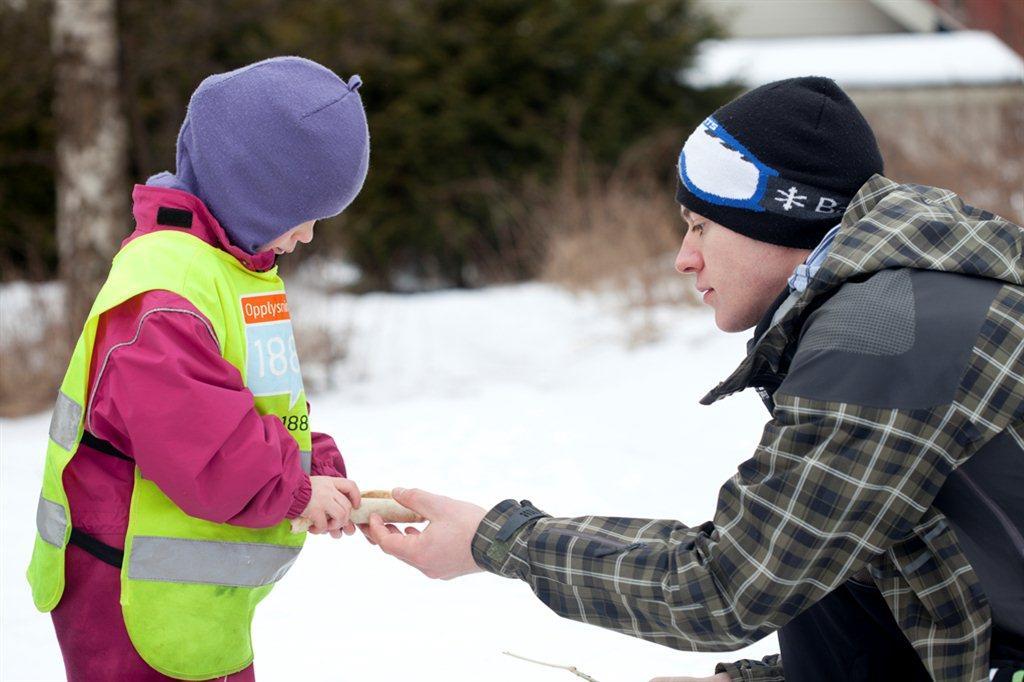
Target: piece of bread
(372, 502)
(380, 502)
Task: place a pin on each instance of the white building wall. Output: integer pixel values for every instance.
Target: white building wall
(776, 18)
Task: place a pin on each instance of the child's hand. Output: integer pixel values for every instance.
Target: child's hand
(330, 505)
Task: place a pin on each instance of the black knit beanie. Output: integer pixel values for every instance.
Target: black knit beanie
(780, 163)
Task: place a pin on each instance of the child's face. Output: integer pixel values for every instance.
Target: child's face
(287, 242)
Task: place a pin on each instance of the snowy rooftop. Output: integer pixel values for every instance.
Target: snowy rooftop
(873, 61)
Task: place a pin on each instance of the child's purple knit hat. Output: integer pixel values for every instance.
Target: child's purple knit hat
(272, 145)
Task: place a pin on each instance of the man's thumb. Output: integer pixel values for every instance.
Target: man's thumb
(420, 501)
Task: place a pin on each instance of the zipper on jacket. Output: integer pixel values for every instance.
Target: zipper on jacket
(612, 546)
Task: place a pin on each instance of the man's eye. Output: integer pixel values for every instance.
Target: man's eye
(699, 228)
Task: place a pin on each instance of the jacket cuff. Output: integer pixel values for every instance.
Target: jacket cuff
(300, 498)
(326, 457)
(767, 670)
(507, 556)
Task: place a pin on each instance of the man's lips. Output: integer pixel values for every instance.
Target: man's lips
(705, 293)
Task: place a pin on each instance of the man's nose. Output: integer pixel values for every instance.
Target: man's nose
(688, 259)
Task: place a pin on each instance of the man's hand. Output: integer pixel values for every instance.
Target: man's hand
(720, 677)
(330, 505)
(442, 550)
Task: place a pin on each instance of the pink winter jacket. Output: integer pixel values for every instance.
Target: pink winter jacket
(160, 392)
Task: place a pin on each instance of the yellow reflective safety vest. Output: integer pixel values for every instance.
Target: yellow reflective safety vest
(189, 587)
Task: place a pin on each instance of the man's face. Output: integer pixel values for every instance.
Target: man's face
(738, 276)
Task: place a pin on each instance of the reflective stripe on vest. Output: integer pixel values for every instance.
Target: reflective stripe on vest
(233, 564)
(67, 415)
(51, 522)
(306, 457)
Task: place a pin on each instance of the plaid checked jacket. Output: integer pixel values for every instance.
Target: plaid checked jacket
(835, 487)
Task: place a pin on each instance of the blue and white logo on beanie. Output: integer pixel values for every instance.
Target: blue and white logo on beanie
(717, 168)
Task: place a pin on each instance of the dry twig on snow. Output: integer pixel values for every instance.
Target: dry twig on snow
(570, 668)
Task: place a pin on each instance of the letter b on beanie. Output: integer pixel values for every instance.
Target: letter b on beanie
(780, 163)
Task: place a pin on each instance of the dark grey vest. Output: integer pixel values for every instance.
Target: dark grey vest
(916, 330)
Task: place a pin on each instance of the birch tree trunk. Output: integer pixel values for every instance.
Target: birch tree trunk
(92, 203)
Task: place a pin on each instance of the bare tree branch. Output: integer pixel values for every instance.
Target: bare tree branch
(570, 668)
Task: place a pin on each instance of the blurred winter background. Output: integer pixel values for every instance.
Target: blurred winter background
(497, 314)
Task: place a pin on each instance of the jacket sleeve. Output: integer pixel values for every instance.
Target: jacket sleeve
(166, 397)
(327, 459)
(829, 487)
(768, 669)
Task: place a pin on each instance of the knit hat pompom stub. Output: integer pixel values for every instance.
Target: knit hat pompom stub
(272, 145)
(780, 163)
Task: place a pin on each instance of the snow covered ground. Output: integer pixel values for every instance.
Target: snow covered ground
(521, 391)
